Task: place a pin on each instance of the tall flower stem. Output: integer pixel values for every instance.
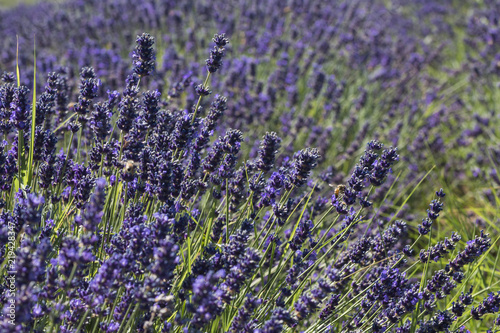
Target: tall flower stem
(199, 98)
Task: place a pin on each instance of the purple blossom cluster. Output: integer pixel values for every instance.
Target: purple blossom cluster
(272, 63)
(144, 190)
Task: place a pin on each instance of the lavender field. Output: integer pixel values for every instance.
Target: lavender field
(250, 166)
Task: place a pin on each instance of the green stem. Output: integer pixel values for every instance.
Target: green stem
(227, 211)
(199, 98)
(20, 154)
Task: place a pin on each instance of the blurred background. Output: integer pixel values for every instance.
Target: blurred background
(11, 3)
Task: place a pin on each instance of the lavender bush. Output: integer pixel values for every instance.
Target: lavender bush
(144, 190)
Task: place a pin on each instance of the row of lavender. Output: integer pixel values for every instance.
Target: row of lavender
(144, 221)
(331, 74)
(177, 237)
(146, 254)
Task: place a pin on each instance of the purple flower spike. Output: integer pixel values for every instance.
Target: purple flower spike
(144, 56)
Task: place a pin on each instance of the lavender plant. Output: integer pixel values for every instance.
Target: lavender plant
(146, 190)
(146, 221)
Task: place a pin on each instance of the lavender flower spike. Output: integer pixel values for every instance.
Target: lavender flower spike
(144, 55)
